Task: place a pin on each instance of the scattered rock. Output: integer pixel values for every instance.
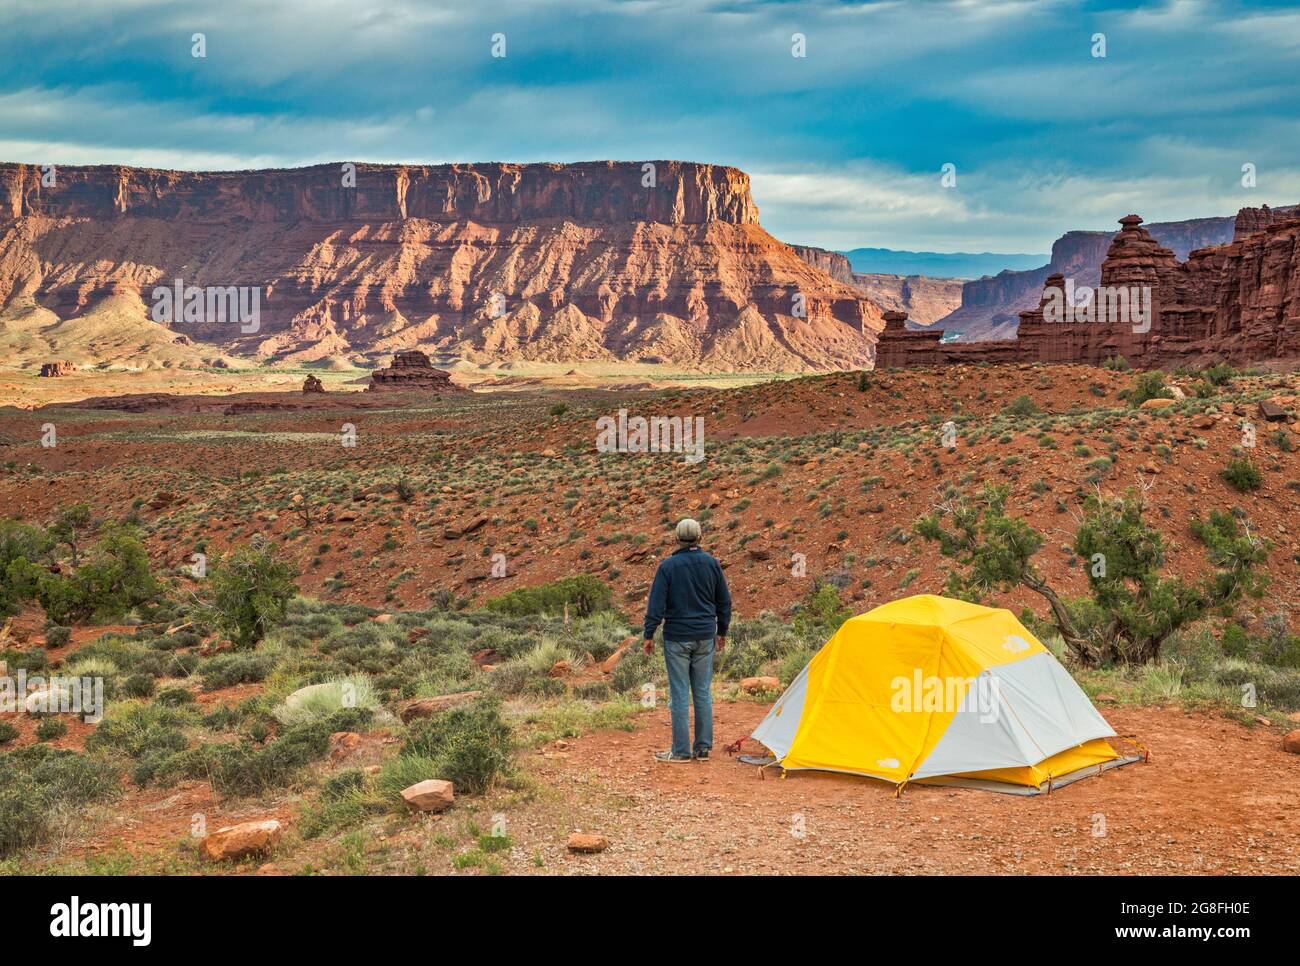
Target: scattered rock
(760, 684)
(1203, 421)
(1291, 743)
(342, 744)
(559, 669)
(587, 843)
(1271, 411)
(1158, 403)
(428, 707)
(312, 384)
(451, 533)
(237, 841)
(431, 795)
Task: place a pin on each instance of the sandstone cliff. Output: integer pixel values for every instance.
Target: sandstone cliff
(1252, 220)
(924, 300)
(834, 264)
(485, 261)
(991, 306)
(1239, 301)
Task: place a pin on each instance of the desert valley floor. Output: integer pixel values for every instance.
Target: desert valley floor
(835, 468)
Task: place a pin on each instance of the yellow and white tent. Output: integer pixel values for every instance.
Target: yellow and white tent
(933, 689)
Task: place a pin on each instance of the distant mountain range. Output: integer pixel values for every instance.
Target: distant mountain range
(887, 261)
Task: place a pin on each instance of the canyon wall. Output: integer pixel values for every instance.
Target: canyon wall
(991, 306)
(1238, 302)
(832, 263)
(922, 298)
(487, 262)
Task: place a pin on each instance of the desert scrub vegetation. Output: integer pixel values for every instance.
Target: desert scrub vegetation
(1194, 670)
(471, 746)
(581, 596)
(1132, 607)
(71, 582)
(250, 589)
(42, 790)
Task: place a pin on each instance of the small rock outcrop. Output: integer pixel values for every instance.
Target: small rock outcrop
(432, 795)
(428, 707)
(51, 369)
(411, 371)
(587, 842)
(312, 384)
(237, 841)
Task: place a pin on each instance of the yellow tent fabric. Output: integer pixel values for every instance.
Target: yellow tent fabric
(928, 687)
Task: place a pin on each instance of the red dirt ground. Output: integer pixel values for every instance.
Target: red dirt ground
(1215, 797)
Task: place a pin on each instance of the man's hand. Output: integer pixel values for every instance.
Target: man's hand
(648, 646)
(720, 644)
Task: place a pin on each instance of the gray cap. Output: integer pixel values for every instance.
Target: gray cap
(688, 531)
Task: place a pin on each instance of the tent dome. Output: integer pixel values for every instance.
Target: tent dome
(929, 688)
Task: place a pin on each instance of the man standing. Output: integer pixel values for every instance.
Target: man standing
(690, 598)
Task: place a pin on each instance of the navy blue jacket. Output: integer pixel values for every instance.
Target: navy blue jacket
(689, 597)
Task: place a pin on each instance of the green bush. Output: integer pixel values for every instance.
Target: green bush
(135, 729)
(250, 592)
(115, 579)
(753, 643)
(227, 670)
(50, 729)
(1219, 374)
(24, 549)
(584, 594)
(1148, 385)
(139, 686)
(1236, 642)
(174, 697)
(39, 784)
(7, 732)
(1242, 475)
(248, 768)
(57, 635)
(821, 615)
(635, 671)
(470, 745)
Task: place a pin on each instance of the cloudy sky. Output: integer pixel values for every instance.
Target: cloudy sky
(845, 145)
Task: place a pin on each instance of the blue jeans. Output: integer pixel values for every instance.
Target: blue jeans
(690, 679)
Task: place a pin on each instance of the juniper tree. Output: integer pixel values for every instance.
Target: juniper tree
(1132, 607)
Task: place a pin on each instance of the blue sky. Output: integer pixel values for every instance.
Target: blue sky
(844, 145)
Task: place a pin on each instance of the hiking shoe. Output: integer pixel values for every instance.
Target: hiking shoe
(701, 756)
(669, 756)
